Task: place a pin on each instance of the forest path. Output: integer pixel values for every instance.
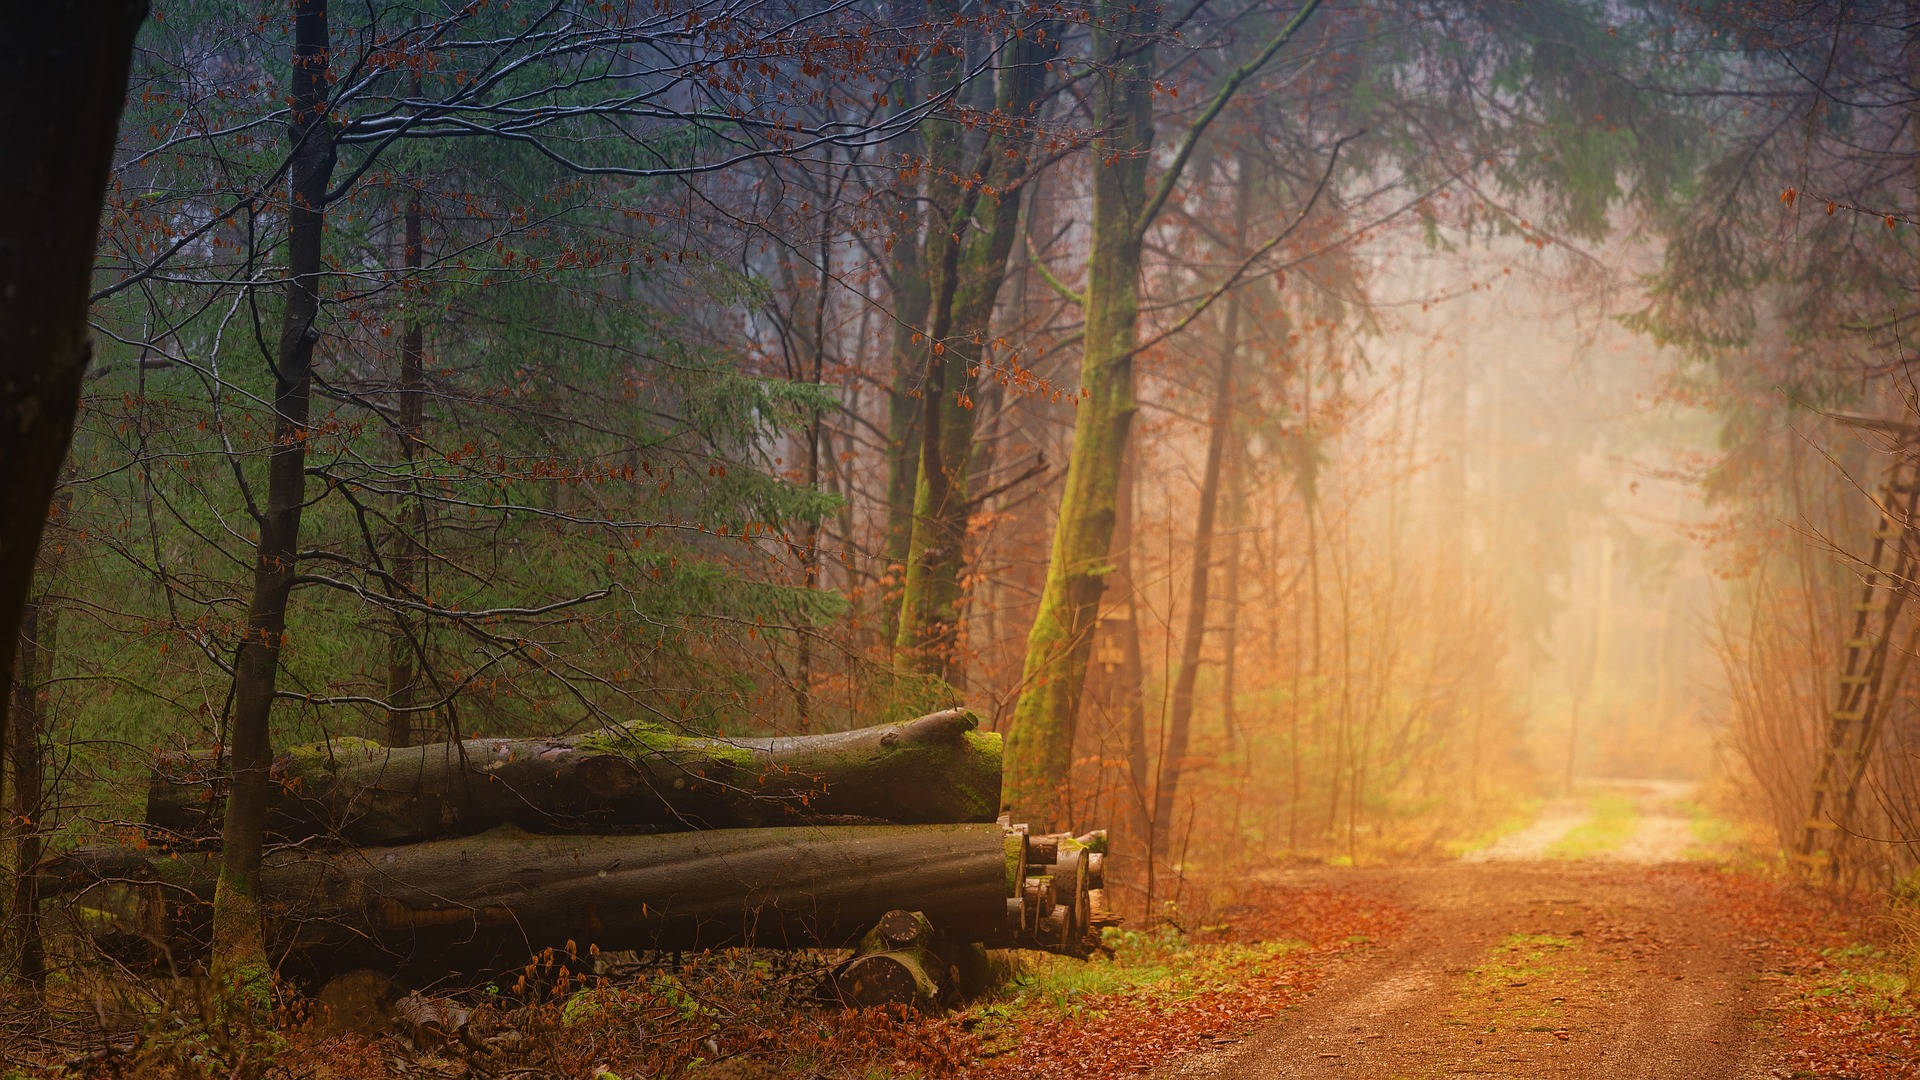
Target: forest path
(1601, 967)
(1638, 821)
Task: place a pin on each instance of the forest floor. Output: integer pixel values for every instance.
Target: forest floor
(1614, 936)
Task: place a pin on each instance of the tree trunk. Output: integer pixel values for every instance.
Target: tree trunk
(1040, 746)
(934, 769)
(907, 280)
(491, 900)
(26, 756)
(1136, 826)
(65, 82)
(903, 421)
(239, 955)
(1219, 430)
(970, 265)
(1236, 481)
(1040, 743)
(810, 579)
(405, 654)
(911, 298)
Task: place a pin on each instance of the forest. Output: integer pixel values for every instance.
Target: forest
(729, 540)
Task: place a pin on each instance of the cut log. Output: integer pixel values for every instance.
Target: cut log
(934, 770)
(891, 978)
(489, 901)
(896, 964)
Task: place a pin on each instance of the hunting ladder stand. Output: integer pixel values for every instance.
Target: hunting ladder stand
(1889, 572)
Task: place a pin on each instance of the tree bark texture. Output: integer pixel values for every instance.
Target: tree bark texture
(63, 82)
(239, 957)
(935, 769)
(910, 301)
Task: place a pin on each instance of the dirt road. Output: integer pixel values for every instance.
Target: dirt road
(1516, 965)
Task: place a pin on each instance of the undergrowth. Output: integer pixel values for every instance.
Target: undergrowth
(746, 1015)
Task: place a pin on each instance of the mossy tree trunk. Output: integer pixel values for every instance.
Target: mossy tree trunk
(239, 951)
(1040, 742)
(63, 82)
(943, 138)
(1135, 826)
(970, 235)
(910, 302)
(907, 279)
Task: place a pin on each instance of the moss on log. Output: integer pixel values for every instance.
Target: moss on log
(936, 769)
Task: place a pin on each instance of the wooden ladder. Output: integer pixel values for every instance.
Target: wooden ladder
(1859, 706)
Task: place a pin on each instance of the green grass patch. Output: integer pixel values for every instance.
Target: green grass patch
(1157, 965)
(1713, 836)
(1527, 956)
(1869, 978)
(1514, 985)
(1613, 819)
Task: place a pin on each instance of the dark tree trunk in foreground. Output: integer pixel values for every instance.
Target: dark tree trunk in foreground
(934, 769)
(63, 80)
(494, 899)
(239, 957)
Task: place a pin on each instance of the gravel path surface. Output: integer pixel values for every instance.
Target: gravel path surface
(1515, 966)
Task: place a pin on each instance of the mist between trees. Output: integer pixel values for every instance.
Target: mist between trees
(1301, 430)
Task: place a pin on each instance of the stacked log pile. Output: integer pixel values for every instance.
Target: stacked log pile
(479, 853)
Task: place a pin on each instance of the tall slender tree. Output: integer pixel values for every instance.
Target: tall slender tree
(1193, 637)
(967, 260)
(240, 956)
(1040, 743)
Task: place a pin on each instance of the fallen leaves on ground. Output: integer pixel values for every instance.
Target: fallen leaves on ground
(1131, 1031)
(1844, 1013)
